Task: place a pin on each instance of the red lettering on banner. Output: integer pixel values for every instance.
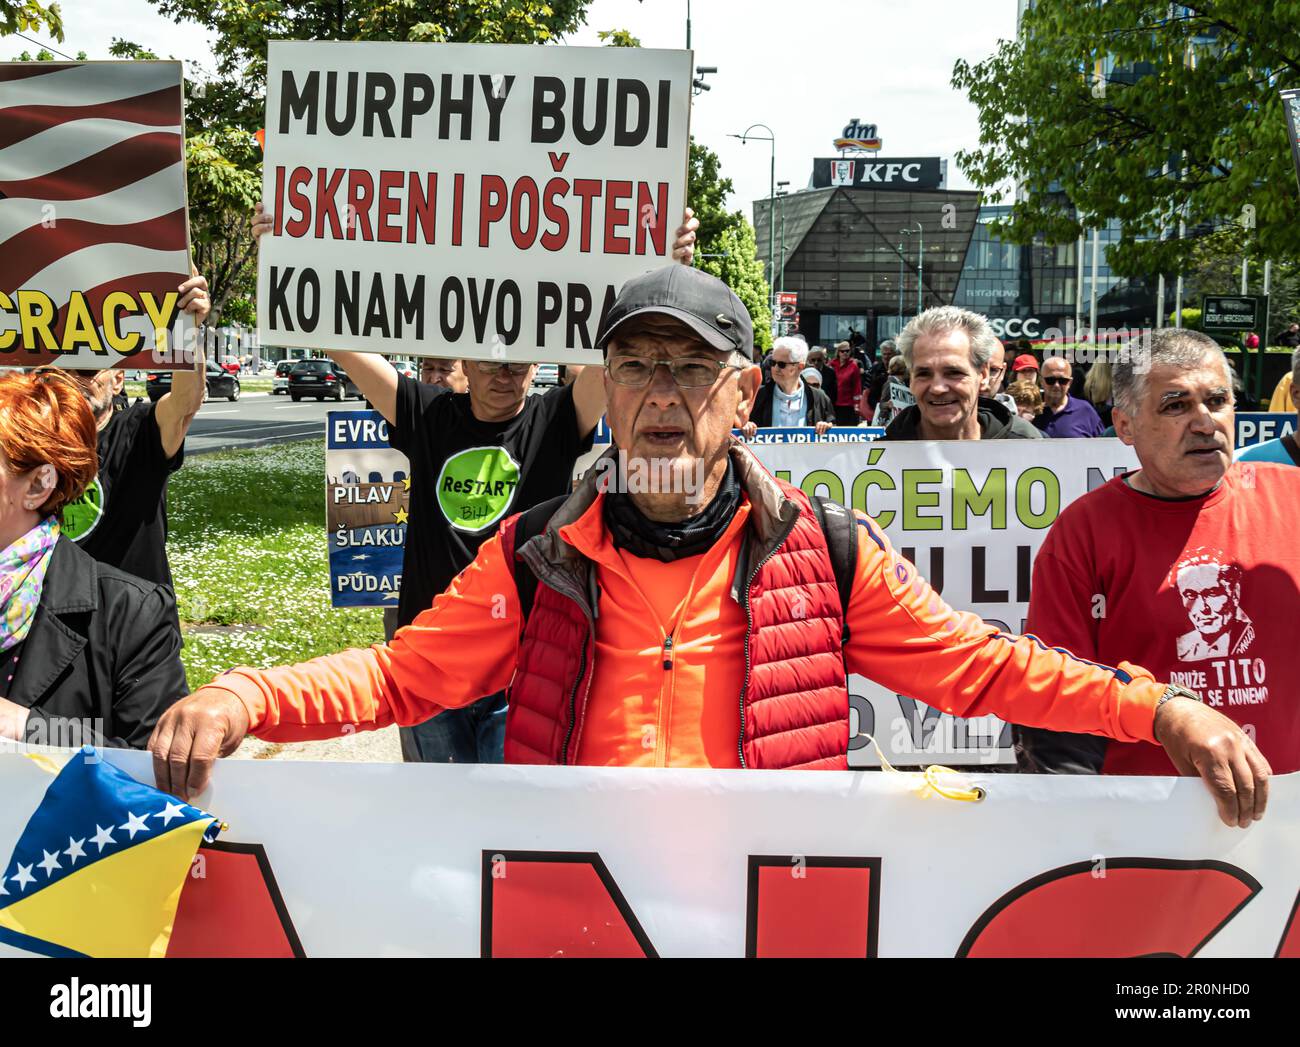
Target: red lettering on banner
(586, 190)
(230, 906)
(1113, 907)
(326, 187)
(389, 207)
(657, 211)
(361, 194)
(807, 906)
(616, 217)
(558, 160)
(297, 198)
(493, 198)
(423, 208)
(556, 903)
(1289, 947)
(457, 207)
(278, 218)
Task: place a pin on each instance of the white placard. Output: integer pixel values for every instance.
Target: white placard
(465, 200)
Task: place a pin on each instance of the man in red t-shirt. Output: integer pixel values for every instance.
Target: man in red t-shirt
(1188, 566)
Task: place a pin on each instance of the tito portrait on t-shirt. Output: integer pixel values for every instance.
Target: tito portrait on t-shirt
(1211, 593)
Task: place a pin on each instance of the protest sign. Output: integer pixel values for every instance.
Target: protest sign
(1257, 427)
(340, 859)
(94, 236)
(367, 498)
(971, 515)
(467, 200)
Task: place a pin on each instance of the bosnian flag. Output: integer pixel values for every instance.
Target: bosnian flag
(93, 233)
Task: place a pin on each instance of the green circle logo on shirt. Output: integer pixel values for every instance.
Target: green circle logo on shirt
(477, 486)
(83, 516)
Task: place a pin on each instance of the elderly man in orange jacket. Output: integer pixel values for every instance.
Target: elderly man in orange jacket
(684, 608)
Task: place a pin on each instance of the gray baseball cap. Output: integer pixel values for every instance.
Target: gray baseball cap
(703, 302)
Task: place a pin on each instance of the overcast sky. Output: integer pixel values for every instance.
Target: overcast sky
(803, 67)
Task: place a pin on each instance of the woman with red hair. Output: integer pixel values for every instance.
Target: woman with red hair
(88, 654)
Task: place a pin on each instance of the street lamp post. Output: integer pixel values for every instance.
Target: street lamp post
(782, 191)
(771, 199)
(920, 264)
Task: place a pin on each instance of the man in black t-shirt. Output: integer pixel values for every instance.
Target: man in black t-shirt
(121, 520)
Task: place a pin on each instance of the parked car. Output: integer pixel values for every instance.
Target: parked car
(222, 385)
(323, 379)
(405, 367)
(280, 380)
(547, 374)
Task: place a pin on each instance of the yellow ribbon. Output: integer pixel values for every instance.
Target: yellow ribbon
(932, 781)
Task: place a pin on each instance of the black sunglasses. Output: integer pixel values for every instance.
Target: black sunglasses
(1056, 380)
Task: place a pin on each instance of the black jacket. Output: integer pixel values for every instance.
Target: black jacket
(817, 406)
(104, 646)
(996, 423)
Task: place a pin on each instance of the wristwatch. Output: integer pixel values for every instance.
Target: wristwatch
(1175, 691)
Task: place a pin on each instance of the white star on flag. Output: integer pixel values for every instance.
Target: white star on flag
(24, 877)
(135, 823)
(74, 850)
(103, 836)
(172, 810)
(3, 877)
(50, 863)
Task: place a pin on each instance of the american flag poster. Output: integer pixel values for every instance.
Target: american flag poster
(94, 239)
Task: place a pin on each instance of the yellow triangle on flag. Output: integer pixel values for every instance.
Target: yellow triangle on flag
(121, 905)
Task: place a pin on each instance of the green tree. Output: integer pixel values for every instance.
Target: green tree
(244, 27)
(725, 244)
(1090, 102)
(28, 16)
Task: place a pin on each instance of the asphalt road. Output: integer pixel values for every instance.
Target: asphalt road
(259, 419)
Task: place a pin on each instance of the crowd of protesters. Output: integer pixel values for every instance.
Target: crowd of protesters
(1190, 555)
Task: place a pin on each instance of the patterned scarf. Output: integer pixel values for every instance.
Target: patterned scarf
(22, 576)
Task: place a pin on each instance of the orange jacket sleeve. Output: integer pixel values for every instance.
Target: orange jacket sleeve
(460, 649)
(903, 636)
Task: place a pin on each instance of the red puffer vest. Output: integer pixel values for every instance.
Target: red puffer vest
(794, 703)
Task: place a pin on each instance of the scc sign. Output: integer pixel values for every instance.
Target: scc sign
(1016, 327)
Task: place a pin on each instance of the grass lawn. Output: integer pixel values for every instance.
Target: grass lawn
(247, 547)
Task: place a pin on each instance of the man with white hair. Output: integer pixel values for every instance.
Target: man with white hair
(1285, 449)
(947, 352)
(788, 400)
(1188, 566)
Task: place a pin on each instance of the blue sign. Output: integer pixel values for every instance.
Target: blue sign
(366, 509)
(356, 430)
(1257, 427)
(808, 435)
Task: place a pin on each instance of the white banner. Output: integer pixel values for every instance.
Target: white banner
(971, 515)
(468, 200)
(329, 859)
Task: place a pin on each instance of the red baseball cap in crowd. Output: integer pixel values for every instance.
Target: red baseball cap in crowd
(1025, 362)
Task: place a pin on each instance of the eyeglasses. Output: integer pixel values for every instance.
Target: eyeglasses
(492, 367)
(1056, 380)
(691, 372)
(783, 363)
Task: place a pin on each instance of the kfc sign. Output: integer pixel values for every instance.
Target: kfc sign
(863, 173)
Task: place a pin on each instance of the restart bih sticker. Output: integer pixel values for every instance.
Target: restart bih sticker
(83, 516)
(477, 486)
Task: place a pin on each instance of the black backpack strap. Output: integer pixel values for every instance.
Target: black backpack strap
(840, 528)
(529, 524)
